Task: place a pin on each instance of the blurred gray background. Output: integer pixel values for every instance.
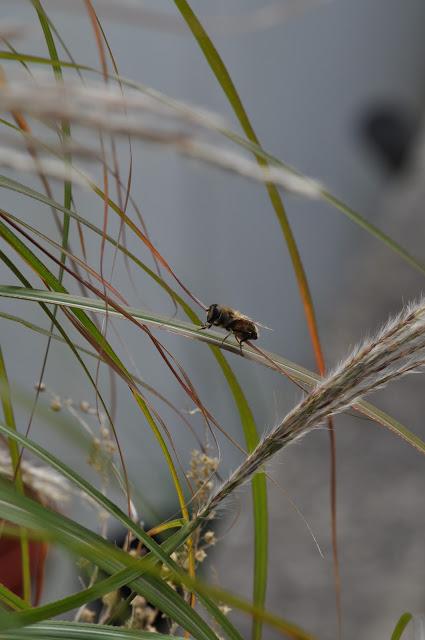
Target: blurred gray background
(312, 81)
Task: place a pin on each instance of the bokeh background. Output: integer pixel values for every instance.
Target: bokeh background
(336, 89)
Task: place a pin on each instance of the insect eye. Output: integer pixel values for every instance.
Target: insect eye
(212, 313)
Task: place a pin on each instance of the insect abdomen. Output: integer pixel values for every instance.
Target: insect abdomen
(243, 328)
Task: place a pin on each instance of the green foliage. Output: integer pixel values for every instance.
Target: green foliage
(401, 625)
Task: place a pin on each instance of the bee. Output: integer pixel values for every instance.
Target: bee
(242, 327)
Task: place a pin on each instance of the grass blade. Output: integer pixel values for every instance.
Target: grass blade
(213, 339)
(9, 417)
(259, 487)
(10, 598)
(111, 508)
(26, 512)
(53, 526)
(78, 631)
(222, 75)
(92, 333)
(66, 131)
(401, 626)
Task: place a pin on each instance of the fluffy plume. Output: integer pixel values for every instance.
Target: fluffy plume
(397, 349)
(148, 116)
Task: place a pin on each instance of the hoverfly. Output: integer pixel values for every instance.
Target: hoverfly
(242, 327)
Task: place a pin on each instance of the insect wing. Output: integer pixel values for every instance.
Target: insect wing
(263, 326)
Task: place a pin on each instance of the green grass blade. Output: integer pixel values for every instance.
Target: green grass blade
(101, 588)
(374, 231)
(245, 413)
(79, 631)
(28, 513)
(48, 36)
(401, 626)
(390, 423)
(296, 371)
(299, 373)
(219, 69)
(88, 489)
(259, 486)
(11, 599)
(66, 133)
(213, 339)
(65, 339)
(138, 398)
(50, 279)
(74, 601)
(93, 333)
(42, 60)
(111, 508)
(15, 51)
(53, 526)
(67, 193)
(9, 417)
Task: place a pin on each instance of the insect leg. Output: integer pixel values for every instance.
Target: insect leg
(241, 340)
(225, 337)
(205, 326)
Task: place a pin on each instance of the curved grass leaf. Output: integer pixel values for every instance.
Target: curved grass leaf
(299, 373)
(92, 333)
(53, 526)
(111, 508)
(42, 60)
(66, 339)
(214, 339)
(112, 583)
(26, 512)
(259, 487)
(67, 198)
(74, 601)
(89, 490)
(401, 626)
(10, 598)
(296, 371)
(79, 631)
(9, 417)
